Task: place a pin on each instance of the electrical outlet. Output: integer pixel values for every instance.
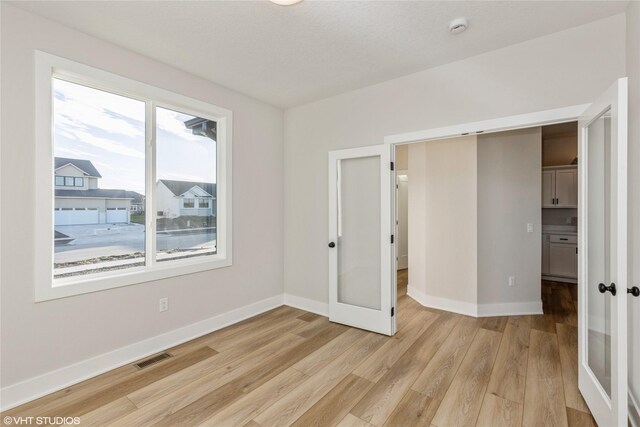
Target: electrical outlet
(568, 220)
(512, 281)
(530, 227)
(164, 304)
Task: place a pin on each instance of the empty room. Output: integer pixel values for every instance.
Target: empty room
(320, 213)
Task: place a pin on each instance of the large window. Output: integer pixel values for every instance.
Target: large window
(157, 203)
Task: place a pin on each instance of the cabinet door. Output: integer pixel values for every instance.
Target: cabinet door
(567, 188)
(545, 254)
(563, 260)
(548, 188)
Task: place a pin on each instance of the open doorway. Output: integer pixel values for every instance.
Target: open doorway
(560, 245)
(402, 219)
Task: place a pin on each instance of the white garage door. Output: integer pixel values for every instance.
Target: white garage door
(117, 215)
(77, 216)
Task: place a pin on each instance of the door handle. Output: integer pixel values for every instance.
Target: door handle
(332, 245)
(635, 291)
(603, 288)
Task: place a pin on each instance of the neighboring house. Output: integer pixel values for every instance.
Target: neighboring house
(78, 200)
(185, 198)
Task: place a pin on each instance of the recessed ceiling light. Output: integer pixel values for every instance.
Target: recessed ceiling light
(457, 26)
(285, 2)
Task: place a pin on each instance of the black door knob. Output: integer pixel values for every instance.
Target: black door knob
(635, 291)
(332, 245)
(603, 288)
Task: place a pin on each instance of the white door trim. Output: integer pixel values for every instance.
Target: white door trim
(520, 121)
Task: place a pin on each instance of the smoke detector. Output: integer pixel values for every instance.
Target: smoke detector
(458, 25)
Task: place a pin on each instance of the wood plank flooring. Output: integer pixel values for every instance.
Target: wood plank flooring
(289, 367)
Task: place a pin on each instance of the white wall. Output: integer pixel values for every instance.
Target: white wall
(567, 68)
(633, 72)
(509, 188)
(443, 221)
(38, 338)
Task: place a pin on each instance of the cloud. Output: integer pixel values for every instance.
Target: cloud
(173, 123)
(81, 107)
(106, 144)
(73, 152)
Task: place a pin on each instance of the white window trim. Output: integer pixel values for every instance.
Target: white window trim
(48, 66)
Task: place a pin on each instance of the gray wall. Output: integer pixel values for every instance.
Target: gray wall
(509, 187)
(567, 68)
(59, 333)
(443, 224)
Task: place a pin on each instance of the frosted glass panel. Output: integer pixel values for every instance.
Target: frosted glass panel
(598, 214)
(359, 232)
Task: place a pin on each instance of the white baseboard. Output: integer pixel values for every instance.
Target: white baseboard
(510, 309)
(475, 310)
(560, 279)
(305, 304)
(634, 411)
(33, 388)
(460, 307)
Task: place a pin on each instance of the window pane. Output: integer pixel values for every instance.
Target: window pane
(59, 180)
(100, 135)
(186, 170)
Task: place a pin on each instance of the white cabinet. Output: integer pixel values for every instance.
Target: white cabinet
(560, 255)
(560, 187)
(563, 260)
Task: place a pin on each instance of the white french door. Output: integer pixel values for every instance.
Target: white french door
(361, 290)
(602, 311)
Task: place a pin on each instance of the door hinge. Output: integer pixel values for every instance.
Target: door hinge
(392, 239)
(393, 311)
(392, 167)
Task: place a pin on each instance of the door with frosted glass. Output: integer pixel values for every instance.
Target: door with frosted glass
(360, 258)
(602, 312)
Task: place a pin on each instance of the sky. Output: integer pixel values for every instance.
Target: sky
(109, 130)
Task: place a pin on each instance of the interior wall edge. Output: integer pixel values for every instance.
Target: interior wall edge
(307, 304)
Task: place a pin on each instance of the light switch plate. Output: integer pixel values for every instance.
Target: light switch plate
(530, 227)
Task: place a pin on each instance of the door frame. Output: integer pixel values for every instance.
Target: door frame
(507, 123)
(501, 124)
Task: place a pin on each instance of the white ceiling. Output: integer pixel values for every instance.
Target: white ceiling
(292, 55)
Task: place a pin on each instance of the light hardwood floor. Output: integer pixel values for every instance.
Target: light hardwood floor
(289, 367)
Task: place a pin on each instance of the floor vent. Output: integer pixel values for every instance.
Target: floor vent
(150, 361)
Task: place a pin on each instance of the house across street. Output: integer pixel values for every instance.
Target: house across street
(79, 200)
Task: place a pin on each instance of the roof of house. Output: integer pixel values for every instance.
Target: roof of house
(84, 165)
(180, 187)
(101, 194)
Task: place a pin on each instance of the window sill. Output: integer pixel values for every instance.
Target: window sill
(70, 286)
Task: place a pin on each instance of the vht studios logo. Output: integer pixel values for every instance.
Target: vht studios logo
(40, 421)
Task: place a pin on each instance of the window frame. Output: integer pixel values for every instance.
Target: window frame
(48, 67)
